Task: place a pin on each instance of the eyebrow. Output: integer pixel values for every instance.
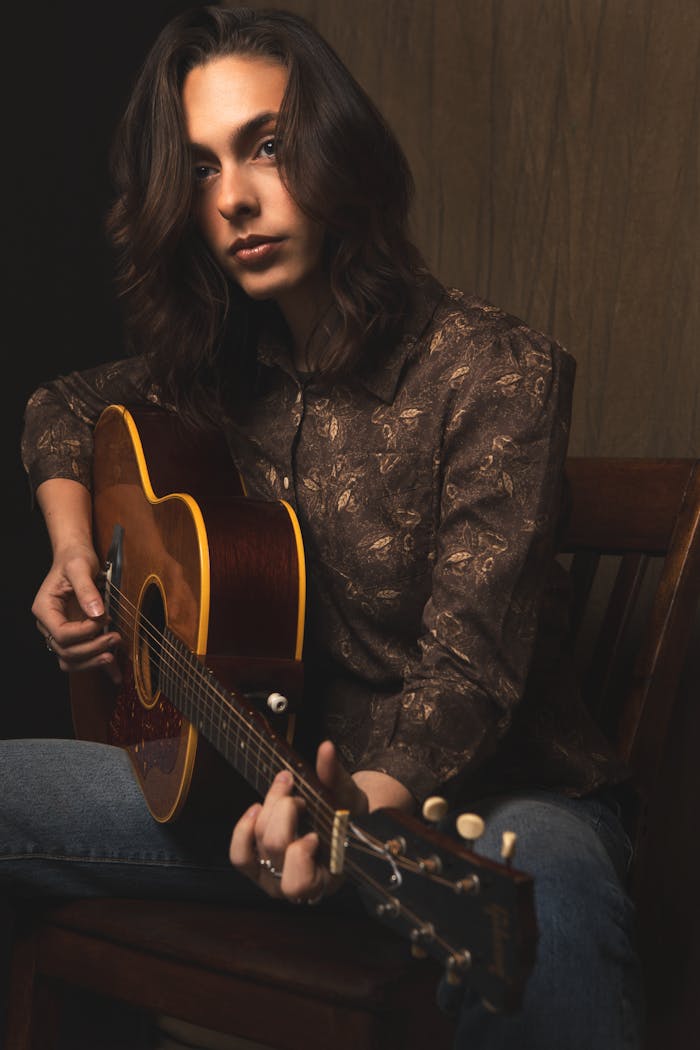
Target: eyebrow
(246, 131)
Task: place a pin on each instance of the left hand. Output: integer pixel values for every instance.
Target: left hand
(266, 846)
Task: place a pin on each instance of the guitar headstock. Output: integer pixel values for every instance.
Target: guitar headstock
(474, 915)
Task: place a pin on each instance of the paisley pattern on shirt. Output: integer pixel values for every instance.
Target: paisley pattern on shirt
(428, 490)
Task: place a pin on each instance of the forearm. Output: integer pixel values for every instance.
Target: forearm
(67, 509)
(383, 791)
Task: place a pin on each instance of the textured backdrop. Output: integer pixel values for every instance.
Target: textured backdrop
(555, 149)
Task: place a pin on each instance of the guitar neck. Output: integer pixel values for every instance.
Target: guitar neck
(238, 732)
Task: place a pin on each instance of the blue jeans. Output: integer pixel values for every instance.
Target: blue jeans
(73, 822)
(585, 992)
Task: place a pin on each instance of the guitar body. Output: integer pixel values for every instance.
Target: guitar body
(189, 555)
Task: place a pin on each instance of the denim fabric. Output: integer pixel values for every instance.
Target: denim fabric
(585, 990)
(73, 822)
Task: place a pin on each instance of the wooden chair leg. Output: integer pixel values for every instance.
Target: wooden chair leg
(34, 1003)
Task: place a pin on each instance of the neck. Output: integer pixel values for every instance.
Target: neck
(309, 317)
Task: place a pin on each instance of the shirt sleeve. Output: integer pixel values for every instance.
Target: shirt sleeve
(505, 441)
(60, 417)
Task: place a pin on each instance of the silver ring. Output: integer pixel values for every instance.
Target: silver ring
(269, 867)
(49, 645)
(309, 901)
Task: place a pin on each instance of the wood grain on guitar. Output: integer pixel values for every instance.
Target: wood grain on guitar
(207, 588)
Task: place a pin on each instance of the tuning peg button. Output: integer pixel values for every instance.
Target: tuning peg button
(434, 808)
(508, 840)
(470, 826)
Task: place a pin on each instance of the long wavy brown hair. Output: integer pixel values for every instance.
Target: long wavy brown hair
(339, 161)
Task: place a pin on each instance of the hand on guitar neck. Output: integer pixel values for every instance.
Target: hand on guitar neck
(266, 844)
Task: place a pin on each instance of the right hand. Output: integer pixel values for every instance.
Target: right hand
(70, 613)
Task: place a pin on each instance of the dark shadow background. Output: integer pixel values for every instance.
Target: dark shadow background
(69, 73)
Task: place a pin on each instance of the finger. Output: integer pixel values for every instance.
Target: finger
(282, 785)
(81, 655)
(243, 852)
(303, 878)
(90, 600)
(281, 788)
(278, 828)
(79, 641)
(106, 662)
(336, 778)
(98, 653)
(79, 572)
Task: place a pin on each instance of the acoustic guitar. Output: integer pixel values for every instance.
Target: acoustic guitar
(207, 589)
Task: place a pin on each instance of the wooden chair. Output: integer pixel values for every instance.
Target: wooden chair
(310, 981)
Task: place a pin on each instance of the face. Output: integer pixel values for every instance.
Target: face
(256, 232)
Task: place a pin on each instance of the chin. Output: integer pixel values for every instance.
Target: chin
(269, 289)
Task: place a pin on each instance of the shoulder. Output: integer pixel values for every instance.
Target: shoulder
(470, 327)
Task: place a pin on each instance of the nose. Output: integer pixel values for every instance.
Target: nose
(236, 193)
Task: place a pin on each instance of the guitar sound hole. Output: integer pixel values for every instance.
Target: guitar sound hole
(149, 645)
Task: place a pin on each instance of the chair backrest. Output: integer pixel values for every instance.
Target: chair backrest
(632, 513)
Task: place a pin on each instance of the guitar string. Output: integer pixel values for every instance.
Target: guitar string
(194, 673)
(197, 675)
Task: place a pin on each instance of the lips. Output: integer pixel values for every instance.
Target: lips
(251, 251)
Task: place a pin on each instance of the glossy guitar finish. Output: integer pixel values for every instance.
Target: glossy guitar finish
(233, 589)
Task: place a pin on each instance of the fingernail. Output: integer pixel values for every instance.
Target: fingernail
(284, 777)
(94, 609)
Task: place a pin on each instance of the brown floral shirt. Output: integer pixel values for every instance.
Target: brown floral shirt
(428, 491)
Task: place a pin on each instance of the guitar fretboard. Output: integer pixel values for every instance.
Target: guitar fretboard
(226, 720)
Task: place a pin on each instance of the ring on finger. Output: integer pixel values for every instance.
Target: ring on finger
(49, 644)
(269, 867)
(309, 901)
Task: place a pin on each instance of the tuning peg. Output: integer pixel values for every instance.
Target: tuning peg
(457, 967)
(434, 809)
(508, 840)
(470, 826)
(420, 936)
(431, 865)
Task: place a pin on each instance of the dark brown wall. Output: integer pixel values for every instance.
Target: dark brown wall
(555, 149)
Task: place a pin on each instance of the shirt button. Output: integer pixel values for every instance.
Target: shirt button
(285, 481)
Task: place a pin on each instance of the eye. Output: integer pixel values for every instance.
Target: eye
(267, 149)
(202, 172)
